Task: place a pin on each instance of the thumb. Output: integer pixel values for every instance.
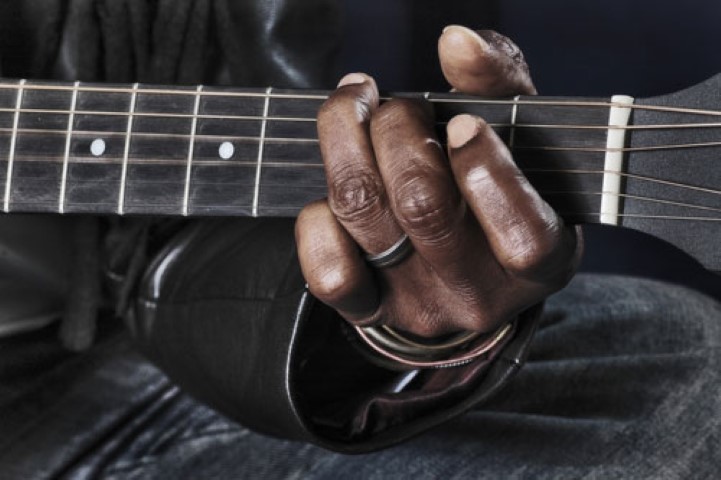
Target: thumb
(483, 63)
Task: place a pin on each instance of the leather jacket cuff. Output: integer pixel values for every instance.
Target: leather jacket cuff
(354, 405)
(224, 312)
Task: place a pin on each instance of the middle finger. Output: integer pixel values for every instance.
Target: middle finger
(421, 190)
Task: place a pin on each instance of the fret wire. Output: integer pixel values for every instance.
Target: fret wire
(13, 141)
(300, 96)
(514, 115)
(126, 149)
(191, 146)
(66, 155)
(261, 145)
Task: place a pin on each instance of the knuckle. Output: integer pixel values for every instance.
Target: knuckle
(355, 193)
(308, 219)
(503, 44)
(536, 254)
(481, 321)
(426, 207)
(429, 329)
(432, 326)
(393, 112)
(310, 211)
(331, 283)
(346, 103)
(429, 321)
(301, 225)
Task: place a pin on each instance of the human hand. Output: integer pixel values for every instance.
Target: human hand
(486, 246)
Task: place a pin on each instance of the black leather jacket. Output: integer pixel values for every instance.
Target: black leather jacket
(229, 318)
(290, 43)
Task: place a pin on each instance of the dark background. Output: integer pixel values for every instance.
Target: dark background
(641, 48)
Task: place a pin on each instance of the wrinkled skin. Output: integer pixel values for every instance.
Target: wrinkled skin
(486, 245)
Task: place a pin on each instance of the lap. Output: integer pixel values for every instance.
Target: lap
(622, 381)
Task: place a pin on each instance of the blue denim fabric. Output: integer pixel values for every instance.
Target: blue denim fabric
(624, 381)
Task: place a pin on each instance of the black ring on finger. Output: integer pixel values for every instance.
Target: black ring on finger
(392, 256)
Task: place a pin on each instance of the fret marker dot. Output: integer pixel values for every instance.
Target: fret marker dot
(226, 150)
(97, 148)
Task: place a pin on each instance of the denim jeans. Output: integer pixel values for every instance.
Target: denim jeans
(623, 381)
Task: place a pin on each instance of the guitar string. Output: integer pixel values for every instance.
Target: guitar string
(541, 192)
(259, 118)
(191, 91)
(249, 138)
(548, 193)
(600, 127)
(162, 208)
(275, 164)
(670, 183)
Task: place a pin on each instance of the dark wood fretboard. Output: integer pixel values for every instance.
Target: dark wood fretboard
(208, 151)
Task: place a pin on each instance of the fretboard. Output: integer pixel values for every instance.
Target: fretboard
(210, 151)
(139, 149)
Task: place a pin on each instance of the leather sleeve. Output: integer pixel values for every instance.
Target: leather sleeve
(223, 309)
(224, 312)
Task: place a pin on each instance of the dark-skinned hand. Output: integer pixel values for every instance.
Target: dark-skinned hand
(486, 245)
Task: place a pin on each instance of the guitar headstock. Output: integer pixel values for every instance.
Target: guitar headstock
(673, 170)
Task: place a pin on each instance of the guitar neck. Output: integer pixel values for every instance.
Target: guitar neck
(134, 149)
(210, 151)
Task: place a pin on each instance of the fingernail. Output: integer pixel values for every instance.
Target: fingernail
(465, 33)
(461, 130)
(352, 79)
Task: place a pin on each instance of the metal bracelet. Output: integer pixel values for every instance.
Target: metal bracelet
(387, 347)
